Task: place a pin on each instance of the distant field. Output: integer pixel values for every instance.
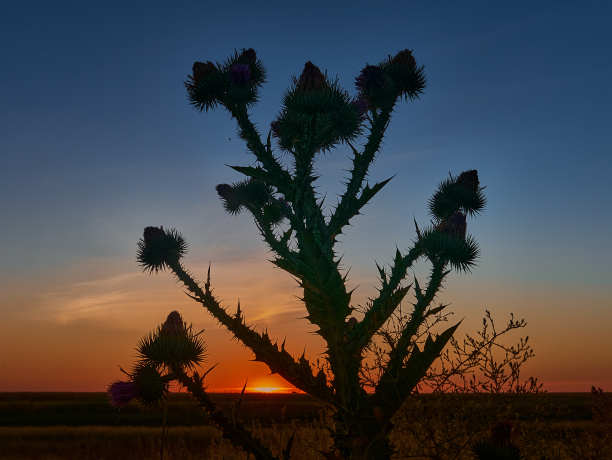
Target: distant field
(84, 426)
(78, 409)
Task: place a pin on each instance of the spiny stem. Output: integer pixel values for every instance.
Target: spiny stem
(279, 361)
(234, 432)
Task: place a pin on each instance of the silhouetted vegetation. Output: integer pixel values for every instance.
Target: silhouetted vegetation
(315, 117)
(549, 426)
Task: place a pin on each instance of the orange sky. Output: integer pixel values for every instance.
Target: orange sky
(81, 323)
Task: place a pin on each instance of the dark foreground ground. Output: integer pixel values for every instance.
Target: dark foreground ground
(84, 426)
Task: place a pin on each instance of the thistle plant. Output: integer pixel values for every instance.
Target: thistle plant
(173, 345)
(316, 116)
(172, 353)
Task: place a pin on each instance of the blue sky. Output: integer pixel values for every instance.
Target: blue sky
(98, 139)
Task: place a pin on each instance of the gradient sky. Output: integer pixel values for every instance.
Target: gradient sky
(98, 141)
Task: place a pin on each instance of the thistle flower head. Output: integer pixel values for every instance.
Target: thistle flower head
(249, 193)
(240, 74)
(462, 193)
(172, 344)
(408, 79)
(174, 324)
(159, 248)
(371, 78)
(449, 242)
(469, 180)
(152, 387)
(224, 190)
(404, 60)
(202, 70)
(248, 56)
(311, 78)
(205, 86)
(121, 393)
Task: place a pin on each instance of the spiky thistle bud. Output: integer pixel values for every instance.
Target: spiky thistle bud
(311, 78)
(248, 56)
(121, 393)
(316, 115)
(458, 193)
(159, 248)
(376, 87)
(152, 387)
(370, 79)
(404, 59)
(469, 180)
(408, 79)
(231, 203)
(173, 325)
(205, 86)
(249, 193)
(201, 70)
(173, 344)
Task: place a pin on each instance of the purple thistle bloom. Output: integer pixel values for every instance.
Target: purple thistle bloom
(371, 78)
(121, 393)
(240, 74)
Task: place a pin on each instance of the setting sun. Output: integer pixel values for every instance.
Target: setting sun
(265, 390)
(271, 387)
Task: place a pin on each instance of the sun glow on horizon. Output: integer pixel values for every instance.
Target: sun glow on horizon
(268, 390)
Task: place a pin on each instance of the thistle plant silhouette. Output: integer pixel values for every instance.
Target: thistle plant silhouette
(316, 116)
(172, 353)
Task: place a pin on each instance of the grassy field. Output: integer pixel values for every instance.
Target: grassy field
(84, 426)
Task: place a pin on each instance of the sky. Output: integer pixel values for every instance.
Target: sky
(98, 141)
